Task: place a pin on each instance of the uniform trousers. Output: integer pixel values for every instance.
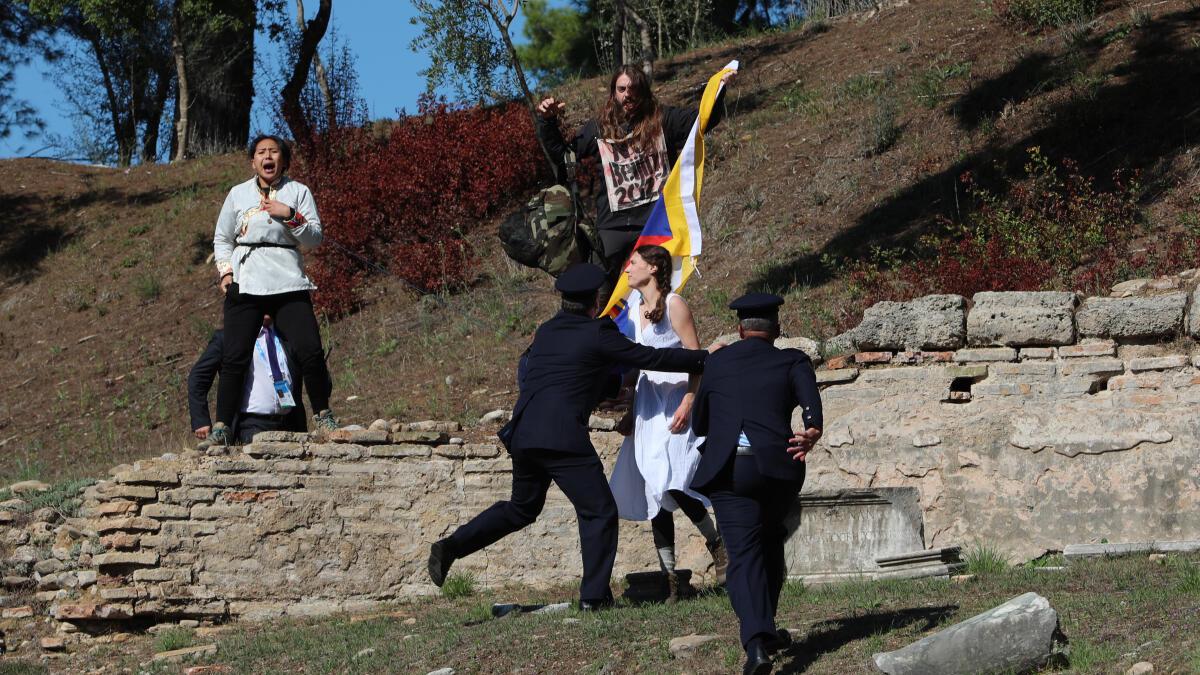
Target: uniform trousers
(581, 478)
(750, 510)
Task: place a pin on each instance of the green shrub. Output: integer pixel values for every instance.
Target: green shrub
(930, 85)
(985, 559)
(800, 101)
(1189, 576)
(1047, 13)
(459, 585)
(148, 287)
(174, 638)
(882, 132)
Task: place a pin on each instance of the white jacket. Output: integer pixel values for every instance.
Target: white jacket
(266, 270)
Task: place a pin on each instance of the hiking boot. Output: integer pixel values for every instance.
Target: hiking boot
(325, 421)
(716, 549)
(219, 436)
(672, 588)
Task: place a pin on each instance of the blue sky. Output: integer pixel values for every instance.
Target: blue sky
(379, 32)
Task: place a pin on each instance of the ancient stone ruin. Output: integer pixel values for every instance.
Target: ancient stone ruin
(1029, 422)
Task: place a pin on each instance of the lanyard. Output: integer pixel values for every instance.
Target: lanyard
(273, 356)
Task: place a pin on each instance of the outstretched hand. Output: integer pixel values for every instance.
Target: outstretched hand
(801, 443)
(550, 108)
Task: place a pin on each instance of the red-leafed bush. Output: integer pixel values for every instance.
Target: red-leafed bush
(405, 199)
(1054, 229)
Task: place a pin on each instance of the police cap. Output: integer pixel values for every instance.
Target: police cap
(757, 306)
(582, 279)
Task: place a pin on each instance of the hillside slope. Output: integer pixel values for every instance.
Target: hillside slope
(842, 136)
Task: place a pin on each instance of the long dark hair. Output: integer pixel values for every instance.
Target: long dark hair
(646, 121)
(660, 259)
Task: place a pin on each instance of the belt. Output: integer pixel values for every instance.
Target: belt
(262, 244)
(743, 450)
(265, 416)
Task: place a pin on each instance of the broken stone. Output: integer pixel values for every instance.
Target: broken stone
(1017, 636)
(1018, 319)
(53, 644)
(1133, 317)
(178, 655)
(936, 562)
(28, 486)
(685, 647)
(498, 416)
(1140, 668)
(22, 612)
(934, 322)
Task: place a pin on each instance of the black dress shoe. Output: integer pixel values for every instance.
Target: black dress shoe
(595, 605)
(780, 642)
(440, 560)
(757, 661)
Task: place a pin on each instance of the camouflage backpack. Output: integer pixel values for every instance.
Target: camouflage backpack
(551, 232)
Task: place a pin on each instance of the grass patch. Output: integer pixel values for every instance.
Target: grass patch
(1047, 13)
(882, 131)
(930, 86)
(174, 638)
(1189, 576)
(799, 100)
(985, 559)
(147, 287)
(459, 585)
(64, 497)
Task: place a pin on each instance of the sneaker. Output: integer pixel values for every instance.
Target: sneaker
(325, 421)
(716, 549)
(219, 436)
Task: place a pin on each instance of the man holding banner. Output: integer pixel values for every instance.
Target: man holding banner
(637, 142)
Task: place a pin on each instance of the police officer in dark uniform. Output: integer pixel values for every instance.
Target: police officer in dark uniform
(752, 466)
(565, 373)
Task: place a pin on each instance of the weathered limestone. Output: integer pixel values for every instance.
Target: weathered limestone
(936, 562)
(1015, 637)
(1020, 319)
(934, 322)
(1079, 551)
(1159, 316)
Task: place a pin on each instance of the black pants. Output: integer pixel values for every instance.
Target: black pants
(294, 321)
(750, 510)
(663, 523)
(250, 424)
(581, 478)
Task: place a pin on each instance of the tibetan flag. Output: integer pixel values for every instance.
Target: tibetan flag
(674, 222)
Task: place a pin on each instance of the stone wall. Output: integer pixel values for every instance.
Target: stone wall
(1028, 422)
(297, 525)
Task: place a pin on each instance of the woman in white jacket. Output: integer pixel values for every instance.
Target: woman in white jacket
(262, 226)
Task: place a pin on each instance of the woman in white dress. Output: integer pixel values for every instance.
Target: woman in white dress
(658, 457)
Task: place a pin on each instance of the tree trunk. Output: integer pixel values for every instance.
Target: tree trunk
(154, 113)
(310, 37)
(221, 91)
(647, 47)
(619, 33)
(183, 99)
(502, 26)
(120, 135)
(322, 78)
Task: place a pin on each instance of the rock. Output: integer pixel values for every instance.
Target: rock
(685, 647)
(45, 515)
(379, 425)
(441, 671)
(1128, 288)
(1017, 636)
(22, 612)
(53, 644)
(843, 343)
(936, 562)
(16, 582)
(553, 608)
(934, 322)
(1140, 668)
(362, 652)
(208, 670)
(807, 345)
(28, 486)
(178, 655)
(49, 566)
(496, 417)
(598, 423)
(1018, 319)
(1133, 317)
